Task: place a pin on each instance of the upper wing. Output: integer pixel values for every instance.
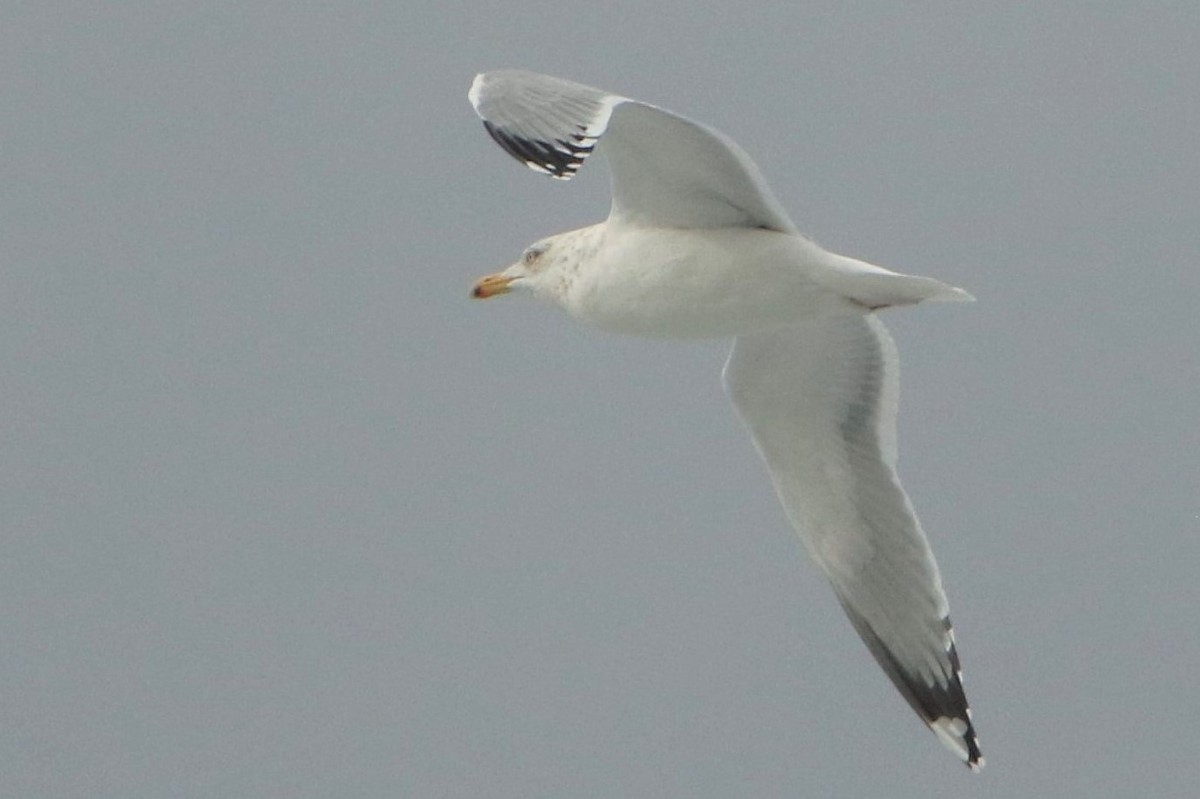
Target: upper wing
(667, 171)
(820, 400)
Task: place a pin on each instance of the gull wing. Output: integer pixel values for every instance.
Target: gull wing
(820, 401)
(667, 171)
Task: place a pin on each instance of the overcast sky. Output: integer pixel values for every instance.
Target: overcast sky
(284, 513)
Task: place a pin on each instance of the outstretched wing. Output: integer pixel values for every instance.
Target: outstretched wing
(667, 171)
(820, 400)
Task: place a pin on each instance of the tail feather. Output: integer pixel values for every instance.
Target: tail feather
(875, 287)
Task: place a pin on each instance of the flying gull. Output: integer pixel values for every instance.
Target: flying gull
(695, 245)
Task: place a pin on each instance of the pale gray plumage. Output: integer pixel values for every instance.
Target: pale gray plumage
(695, 244)
(820, 400)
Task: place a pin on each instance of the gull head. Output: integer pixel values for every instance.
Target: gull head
(544, 269)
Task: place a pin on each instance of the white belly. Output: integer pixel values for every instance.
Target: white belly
(699, 283)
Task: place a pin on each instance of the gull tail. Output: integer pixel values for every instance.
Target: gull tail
(875, 287)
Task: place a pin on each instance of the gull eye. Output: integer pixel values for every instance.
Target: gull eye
(531, 256)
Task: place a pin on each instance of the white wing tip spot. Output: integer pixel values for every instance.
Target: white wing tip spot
(951, 732)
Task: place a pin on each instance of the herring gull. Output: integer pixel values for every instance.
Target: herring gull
(695, 245)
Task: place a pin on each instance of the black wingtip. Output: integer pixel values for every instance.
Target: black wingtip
(561, 161)
(943, 706)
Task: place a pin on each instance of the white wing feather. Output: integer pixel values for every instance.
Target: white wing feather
(820, 400)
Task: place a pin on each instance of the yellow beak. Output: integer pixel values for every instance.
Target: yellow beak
(491, 286)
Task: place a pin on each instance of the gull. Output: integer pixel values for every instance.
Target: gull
(695, 245)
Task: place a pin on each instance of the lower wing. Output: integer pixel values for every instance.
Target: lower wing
(820, 400)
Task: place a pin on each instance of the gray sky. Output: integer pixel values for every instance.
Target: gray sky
(285, 514)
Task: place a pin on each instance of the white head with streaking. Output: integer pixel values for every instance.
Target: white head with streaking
(546, 268)
(696, 245)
